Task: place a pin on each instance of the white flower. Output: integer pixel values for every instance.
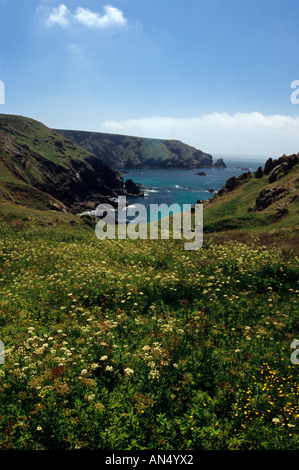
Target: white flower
(129, 371)
(103, 358)
(109, 368)
(154, 374)
(275, 420)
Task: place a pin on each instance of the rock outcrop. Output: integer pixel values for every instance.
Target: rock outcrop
(267, 197)
(133, 188)
(280, 167)
(231, 184)
(219, 164)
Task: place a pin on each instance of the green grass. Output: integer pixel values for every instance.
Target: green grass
(122, 344)
(229, 212)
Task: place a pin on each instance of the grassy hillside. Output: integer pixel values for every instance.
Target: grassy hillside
(234, 209)
(139, 344)
(123, 344)
(121, 151)
(39, 168)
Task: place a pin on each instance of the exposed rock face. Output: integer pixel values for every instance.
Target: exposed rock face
(244, 176)
(133, 188)
(201, 173)
(258, 173)
(82, 182)
(64, 175)
(267, 197)
(232, 183)
(220, 164)
(280, 167)
(282, 208)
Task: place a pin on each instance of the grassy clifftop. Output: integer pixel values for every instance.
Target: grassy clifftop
(121, 151)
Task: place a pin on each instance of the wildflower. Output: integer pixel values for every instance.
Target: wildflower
(275, 420)
(109, 368)
(129, 371)
(154, 374)
(39, 428)
(103, 358)
(94, 366)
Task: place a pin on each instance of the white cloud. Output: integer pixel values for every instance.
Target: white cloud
(240, 133)
(112, 17)
(61, 15)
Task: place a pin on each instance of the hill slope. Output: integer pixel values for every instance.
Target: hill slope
(266, 200)
(42, 169)
(120, 151)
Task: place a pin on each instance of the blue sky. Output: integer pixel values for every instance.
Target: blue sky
(216, 74)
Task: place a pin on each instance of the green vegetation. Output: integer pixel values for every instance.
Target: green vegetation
(41, 169)
(230, 211)
(139, 344)
(121, 151)
(122, 344)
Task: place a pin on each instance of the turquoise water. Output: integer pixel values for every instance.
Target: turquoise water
(184, 186)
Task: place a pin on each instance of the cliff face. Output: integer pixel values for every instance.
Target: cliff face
(41, 168)
(121, 151)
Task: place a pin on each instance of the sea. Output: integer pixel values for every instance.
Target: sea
(185, 187)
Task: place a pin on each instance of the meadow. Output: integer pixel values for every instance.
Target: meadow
(130, 345)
